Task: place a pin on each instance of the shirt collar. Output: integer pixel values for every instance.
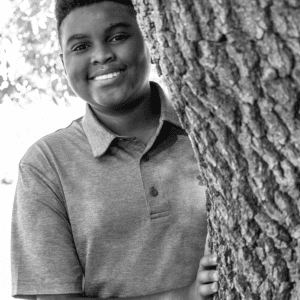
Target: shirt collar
(167, 110)
(97, 134)
(100, 138)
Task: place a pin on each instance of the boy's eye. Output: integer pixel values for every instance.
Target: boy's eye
(80, 47)
(119, 37)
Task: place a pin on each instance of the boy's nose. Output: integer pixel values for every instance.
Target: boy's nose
(102, 55)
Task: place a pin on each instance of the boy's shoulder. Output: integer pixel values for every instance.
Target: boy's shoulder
(55, 144)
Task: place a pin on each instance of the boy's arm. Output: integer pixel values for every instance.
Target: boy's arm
(178, 294)
(203, 287)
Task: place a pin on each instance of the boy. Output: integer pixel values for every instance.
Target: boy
(110, 207)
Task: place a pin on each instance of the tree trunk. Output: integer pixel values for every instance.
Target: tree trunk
(233, 70)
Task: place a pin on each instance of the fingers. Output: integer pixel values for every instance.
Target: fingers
(208, 261)
(208, 289)
(208, 276)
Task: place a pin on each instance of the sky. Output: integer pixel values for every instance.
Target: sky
(5, 12)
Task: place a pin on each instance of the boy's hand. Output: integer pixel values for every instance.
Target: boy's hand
(206, 284)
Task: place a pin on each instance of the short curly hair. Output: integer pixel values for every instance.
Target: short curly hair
(64, 7)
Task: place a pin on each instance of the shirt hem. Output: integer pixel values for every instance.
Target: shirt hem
(27, 291)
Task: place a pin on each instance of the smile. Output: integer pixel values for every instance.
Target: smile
(108, 76)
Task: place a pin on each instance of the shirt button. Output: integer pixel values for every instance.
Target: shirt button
(153, 192)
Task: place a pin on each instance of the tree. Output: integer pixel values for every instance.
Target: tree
(233, 70)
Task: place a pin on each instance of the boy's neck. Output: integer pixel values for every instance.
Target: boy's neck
(140, 122)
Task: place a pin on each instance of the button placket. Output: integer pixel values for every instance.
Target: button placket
(146, 158)
(157, 203)
(153, 192)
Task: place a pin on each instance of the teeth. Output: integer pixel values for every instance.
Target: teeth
(107, 76)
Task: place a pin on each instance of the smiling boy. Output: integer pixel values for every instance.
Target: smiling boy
(110, 207)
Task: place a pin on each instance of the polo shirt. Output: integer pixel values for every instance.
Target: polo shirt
(105, 215)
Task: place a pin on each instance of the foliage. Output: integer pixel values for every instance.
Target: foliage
(30, 66)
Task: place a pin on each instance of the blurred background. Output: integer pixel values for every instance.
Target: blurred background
(35, 99)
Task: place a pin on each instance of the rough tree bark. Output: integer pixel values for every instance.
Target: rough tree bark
(233, 69)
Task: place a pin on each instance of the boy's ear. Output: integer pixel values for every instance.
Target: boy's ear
(63, 63)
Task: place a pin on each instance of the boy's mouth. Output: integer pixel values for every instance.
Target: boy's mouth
(107, 76)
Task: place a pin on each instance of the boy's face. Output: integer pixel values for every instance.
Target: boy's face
(104, 55)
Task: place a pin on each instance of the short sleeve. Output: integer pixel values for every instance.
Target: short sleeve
(43, 255)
